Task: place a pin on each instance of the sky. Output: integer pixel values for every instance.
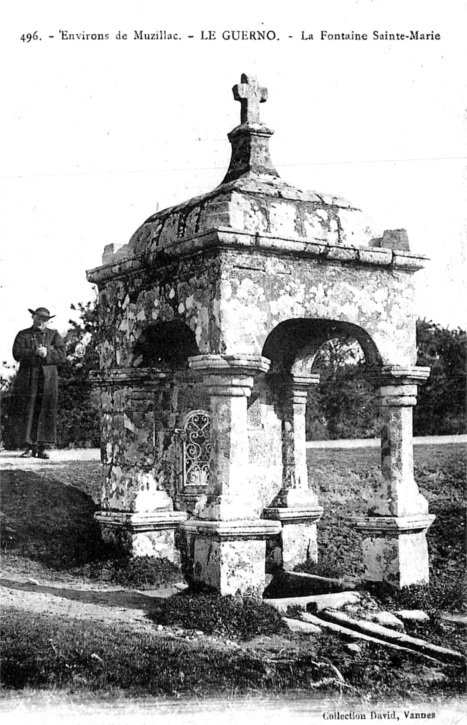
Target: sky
(98, 135)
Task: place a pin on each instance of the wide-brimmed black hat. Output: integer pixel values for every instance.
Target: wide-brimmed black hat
(43, 312)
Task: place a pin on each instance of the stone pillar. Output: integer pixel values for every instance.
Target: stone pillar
(135, 513)
(226, 539)
(394, 531)
(296, 505)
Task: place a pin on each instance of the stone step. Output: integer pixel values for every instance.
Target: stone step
(317, 602)
(349, 633)
(392, 636)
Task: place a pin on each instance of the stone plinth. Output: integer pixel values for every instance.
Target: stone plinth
(296, 542)
(142, 534)
(229, 556)
(395, 548)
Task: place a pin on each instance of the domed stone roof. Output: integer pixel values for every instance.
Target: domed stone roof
(253, 199)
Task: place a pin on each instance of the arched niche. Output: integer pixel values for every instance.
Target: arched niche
(165, 345)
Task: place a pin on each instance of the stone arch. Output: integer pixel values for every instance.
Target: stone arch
(292, 345)
(165, 345)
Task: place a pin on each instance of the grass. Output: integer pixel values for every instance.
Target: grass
(244, 647)
(49, 519)
(143, 572)
(45, 652)
(234, 617)
(99, 657)
(344, 478)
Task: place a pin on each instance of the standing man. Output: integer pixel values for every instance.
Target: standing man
(38, 351)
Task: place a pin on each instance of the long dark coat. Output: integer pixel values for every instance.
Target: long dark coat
(36, 386)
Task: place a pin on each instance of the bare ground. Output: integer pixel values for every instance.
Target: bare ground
(46, 518)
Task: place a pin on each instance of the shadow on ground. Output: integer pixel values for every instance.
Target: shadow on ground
(119, 599)
(47, 519)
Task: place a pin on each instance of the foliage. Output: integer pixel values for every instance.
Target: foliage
(344, 404)
(235, 617)
(6, 403)
(78, 416)
(441, 401)
(431, 598)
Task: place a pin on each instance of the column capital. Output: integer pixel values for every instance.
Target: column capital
(304, 380)
(397, 375)
(229, 375)
(240, 363)
(398, 383)
(299, 380)
(295, 386)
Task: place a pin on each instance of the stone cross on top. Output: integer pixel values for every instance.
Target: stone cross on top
(250, 94)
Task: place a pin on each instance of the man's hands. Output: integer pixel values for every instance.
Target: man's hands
(42, 351)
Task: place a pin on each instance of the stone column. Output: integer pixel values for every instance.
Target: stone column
(394, 545)
(135, 513)
(296, 505)
(226, 539)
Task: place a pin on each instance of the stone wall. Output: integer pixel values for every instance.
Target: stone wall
(218, 301)
(232, 299)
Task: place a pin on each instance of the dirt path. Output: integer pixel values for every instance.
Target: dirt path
(25, 583)
(48, 506)
(79, 599)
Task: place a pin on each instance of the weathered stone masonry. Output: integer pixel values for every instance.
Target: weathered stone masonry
(219, 305)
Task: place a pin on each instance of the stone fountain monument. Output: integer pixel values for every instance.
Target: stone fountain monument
(211, 317)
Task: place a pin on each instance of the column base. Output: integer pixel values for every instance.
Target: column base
(297, 540)
(395, 549)
(228, 556)
(149, 533)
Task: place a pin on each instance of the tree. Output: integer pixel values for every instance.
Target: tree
(343, 405)
(6, 404)
(79, 416)
(441, 401)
